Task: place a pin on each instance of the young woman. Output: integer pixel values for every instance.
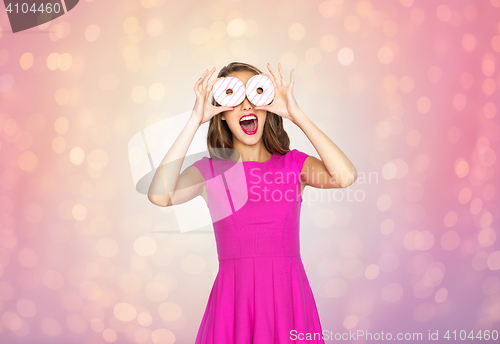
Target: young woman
(261, 293)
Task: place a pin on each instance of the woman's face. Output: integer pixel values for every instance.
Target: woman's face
(244, 131)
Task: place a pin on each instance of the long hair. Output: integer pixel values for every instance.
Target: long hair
(220, 138)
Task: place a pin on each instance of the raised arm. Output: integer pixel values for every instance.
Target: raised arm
(168, 187)
(334, 170)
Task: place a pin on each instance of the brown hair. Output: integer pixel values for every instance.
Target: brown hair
(274, 136)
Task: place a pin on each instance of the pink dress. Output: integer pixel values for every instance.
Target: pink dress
(261, 293)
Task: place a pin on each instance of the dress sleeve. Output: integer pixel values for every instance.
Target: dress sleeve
(299, 158)
(204, 166)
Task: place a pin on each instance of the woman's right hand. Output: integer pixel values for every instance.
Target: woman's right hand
(203, 109)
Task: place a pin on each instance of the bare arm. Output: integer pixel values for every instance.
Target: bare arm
(334, 170)
(189, 183)
(168, 187)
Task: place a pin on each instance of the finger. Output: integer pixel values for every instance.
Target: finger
(211, 84)
(283, 78)
(219, 109)
(272, 79)
(208, 77)
(205, 79)
(292, 80)
(275, 77)
(274, 74)
(203, 75)
(197, 85)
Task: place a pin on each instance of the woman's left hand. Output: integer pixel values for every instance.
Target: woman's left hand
(284, 103)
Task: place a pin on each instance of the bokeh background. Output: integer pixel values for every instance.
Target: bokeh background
(407, 89)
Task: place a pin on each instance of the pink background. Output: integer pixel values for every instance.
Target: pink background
(407, 89)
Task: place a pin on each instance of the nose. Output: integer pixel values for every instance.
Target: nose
(245, 104)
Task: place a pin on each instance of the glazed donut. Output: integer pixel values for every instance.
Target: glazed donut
(260, 90)
(229, 91)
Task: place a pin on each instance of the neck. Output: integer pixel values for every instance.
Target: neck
(256, 152)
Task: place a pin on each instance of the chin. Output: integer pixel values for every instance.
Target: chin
(250, 140)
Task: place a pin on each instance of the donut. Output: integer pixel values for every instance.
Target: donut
(229, 91)
(260, 90)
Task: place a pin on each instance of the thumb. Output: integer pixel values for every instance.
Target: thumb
(219, 109)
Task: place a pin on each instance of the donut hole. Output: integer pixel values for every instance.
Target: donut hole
(229, 92)
(260, 90)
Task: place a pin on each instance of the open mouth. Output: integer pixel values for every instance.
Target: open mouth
(249, 123)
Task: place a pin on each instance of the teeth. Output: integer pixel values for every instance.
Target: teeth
(248, 117)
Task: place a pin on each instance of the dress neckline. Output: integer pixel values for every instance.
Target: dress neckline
(265, 162)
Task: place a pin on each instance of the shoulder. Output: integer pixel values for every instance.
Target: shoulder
(200, 163)
(203, 165)
(294, 159)
(211, 167)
